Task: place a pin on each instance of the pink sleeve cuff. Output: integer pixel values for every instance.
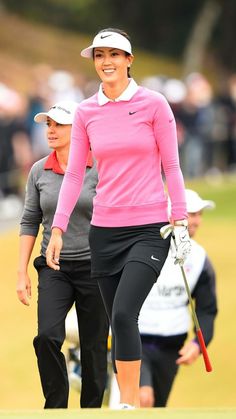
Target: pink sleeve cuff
(61, 221)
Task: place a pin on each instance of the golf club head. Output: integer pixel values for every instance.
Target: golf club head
(166, 230)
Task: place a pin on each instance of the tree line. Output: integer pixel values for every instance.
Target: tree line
(182, 29)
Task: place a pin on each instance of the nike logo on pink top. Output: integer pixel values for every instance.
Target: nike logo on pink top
(130, 140)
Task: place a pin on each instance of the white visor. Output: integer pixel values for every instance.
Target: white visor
(62, 112)
(108, 40)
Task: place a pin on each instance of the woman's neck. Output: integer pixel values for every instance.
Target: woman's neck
(113, 91)
(62, 158)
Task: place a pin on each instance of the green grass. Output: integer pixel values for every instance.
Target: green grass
(20, 386)
(137, 414)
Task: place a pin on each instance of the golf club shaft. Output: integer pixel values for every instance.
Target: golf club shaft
(165, 232)
(197, 326)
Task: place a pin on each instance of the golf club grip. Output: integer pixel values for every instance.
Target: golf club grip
(204, 350)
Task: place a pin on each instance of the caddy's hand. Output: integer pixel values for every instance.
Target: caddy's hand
(180, 244)
(54, 249)
(188, 353)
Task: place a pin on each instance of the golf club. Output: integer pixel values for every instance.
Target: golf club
(165, 231)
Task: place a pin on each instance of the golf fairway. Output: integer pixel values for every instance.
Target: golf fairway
(166, 413)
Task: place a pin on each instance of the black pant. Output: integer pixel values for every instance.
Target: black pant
(123, 295)
(57, 291)
(158, 367)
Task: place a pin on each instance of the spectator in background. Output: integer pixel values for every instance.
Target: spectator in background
(196, 115)
(38, 101)
(232, 122)
(48, 87)
(192, 104)
(156, 83)
(63, 87)
(175, 92)
(15, 149)
(224, 130)
(164, 319)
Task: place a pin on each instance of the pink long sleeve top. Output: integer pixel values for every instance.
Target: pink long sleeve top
(132, 140)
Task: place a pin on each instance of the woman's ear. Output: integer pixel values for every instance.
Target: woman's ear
(131, 59)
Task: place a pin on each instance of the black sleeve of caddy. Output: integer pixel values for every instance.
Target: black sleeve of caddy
(204, 295)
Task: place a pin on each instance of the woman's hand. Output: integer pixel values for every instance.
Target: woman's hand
(180, 244)
(23, 288)
(54, 249)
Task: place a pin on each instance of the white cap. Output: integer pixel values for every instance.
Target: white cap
(195, 203)
(108, 39)
(62, 112)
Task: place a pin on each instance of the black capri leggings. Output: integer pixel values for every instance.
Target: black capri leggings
(123, 294)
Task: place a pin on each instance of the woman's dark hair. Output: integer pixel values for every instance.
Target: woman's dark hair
(120, 31)
(123, 33)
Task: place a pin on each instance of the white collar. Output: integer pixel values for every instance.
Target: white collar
(126, 95)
